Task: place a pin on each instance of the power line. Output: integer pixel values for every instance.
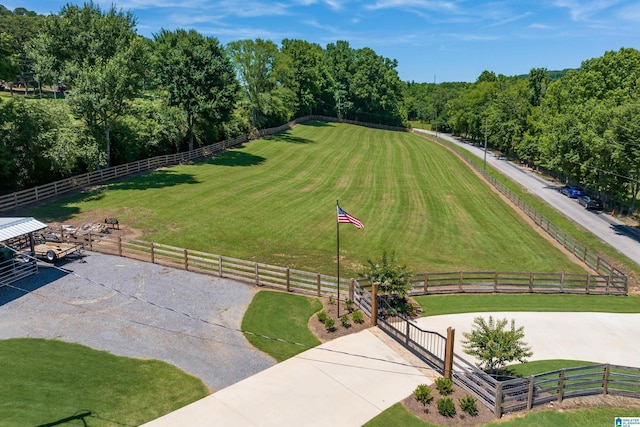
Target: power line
(189, 316)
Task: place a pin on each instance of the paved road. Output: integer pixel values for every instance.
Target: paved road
(603, 225)
(83, 305)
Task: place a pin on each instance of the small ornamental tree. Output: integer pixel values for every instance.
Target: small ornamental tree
(392, 278)
(494, 345)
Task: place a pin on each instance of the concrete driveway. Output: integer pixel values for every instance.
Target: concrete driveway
(595, 337)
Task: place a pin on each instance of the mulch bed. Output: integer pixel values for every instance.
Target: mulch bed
(331, 307)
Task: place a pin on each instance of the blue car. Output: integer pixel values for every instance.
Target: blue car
(572, 191)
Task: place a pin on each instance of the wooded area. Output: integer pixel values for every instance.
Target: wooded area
(98, 94)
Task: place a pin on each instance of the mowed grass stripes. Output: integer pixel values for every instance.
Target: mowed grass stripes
(273, 201)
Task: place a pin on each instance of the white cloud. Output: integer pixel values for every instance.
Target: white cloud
(581, 11)
(412, 4)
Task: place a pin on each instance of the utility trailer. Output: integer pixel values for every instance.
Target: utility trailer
(49, 248)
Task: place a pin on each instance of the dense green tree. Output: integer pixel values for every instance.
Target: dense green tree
(22, 26)
(311, 81)
(376, 89)
(41, 143)
(99, 57)
(9, 65)
(197, 75)
(263, 72)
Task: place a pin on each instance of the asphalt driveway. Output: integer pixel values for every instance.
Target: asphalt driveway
(138, 309)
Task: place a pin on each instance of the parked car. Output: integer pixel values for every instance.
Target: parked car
(572, 191)
(591, 204)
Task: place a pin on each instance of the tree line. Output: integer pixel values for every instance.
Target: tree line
(101, 95)
(582, 125)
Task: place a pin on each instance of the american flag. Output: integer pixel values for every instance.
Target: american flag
(345, 218)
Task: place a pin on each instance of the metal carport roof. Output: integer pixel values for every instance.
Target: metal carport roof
(15, 227)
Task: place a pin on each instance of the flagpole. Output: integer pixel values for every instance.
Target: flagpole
(338, 255)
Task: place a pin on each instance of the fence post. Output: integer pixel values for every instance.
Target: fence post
(497, 409)
(588, 284)
(219, 265)
(288, 280)
(609, 278)
(119, 246)
(530, 395)
(257, 275)
(605, 379)
(561, 386)
(352, 286)
(448, 352)
(426, 283)
(186, 260)
(598, 265)
(406, 332)
(153, 253)
(495, 281)
(531, 282)
(318, 284)
(460, 281)
(584, 256)
(90, 243)
(374, 304)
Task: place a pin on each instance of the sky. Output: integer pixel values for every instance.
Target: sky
(432, 40)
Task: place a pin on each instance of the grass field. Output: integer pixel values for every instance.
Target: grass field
(45, 382)
(273, 201)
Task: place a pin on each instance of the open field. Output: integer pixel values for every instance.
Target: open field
(273, 201)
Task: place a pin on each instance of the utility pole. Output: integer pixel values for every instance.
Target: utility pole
(435, 105)
(486, 127)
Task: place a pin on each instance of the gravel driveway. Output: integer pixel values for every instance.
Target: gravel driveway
(99, 302)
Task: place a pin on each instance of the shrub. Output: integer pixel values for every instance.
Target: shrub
(446, 407)
(349, 305)
(469, 405)
(329, 323)
(422, 393)
(344, 319)
(322, 316)
(357, 317)
(332, 300)
(444, 386)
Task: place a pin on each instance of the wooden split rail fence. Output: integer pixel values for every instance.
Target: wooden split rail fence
(222, 266)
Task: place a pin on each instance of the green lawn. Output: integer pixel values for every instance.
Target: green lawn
(433, 305)
(273, 201)
(47, 381)
(283, 316)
